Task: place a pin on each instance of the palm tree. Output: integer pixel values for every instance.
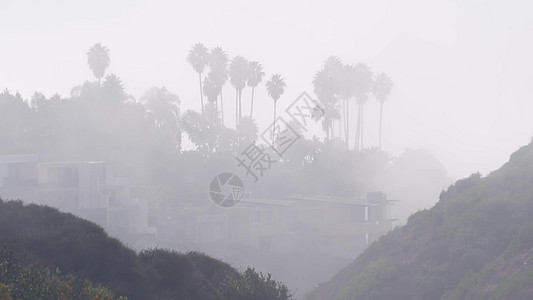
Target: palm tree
(212, 89)
(347, 92)
(326, 87)
(218, 63)
(164, 108)
(275, 88)
(98, 60)
(363, 83)
(113, 89)
(334, 67)
(255, 76)
(381, 89)
(198, 58)
(238, 72)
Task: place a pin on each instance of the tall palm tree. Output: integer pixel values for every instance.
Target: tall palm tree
(334, 67)
(347, 92)
(238, 72)
(381, 89)
(324, 91)
(212, 87)
(326, 87)
(198, 58)
(218, 64)
(98, 60)
(275, 88)
(255, 76)
(363, 83)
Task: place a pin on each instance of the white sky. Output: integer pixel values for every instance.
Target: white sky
(463, 70)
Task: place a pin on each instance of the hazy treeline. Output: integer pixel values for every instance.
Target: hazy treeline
(142, 137)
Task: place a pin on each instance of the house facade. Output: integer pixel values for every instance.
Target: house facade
(86, 189)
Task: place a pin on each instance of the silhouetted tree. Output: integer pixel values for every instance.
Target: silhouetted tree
(218, 63)
(38, 100)
(255, 76)
(198, 58)
(381, 89)
(347, 92)
(238, 72)
(326, 89)
(98, 60)
(212, 88)
(363, 84)
(164, 107)
(202, 131)
(247, 131)
(334, 67)
(113, 89)
(275, 88)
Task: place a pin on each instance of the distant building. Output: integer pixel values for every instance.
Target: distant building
(86, 189)
(335, 226)
(19, 177)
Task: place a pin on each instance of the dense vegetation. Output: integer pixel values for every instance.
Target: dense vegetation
(142, 137)
(45, 239)
(32, 282)
(475, 243)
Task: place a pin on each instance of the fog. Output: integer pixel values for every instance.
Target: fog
(459, 103)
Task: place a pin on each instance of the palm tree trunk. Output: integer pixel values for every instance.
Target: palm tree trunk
(347, 127)
(252, 104)
(343, 118)
(201, 92)
(380, 117)
(358, 128)
(236, 108)
(216, 110)
(339, 123)
(362, 125)
(274, 126)
(222, 107)
(240, 106)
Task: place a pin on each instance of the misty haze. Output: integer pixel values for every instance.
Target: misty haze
(306, 150)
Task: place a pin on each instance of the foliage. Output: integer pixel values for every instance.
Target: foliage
(98, 60)
(45, 239)
(475, 243)
(276, 86)
(38, 282)
(254, 286)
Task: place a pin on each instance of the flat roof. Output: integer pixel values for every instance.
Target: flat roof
(19, 158)
(72, 162)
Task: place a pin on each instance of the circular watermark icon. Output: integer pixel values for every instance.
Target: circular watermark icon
(226, 189)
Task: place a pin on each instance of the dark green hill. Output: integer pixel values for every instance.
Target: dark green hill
(44, 237)
(475, 243)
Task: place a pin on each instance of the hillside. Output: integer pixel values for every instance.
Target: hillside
(475, 243)
(43, 239)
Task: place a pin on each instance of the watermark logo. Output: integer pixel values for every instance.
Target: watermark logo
(255, 160)
(280, 136)
(304, 108)
(226, 189)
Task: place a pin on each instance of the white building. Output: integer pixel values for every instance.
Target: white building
(18, 177)
(86, 189)
(334, 226)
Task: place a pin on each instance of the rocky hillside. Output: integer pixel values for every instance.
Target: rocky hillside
(475, 243)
